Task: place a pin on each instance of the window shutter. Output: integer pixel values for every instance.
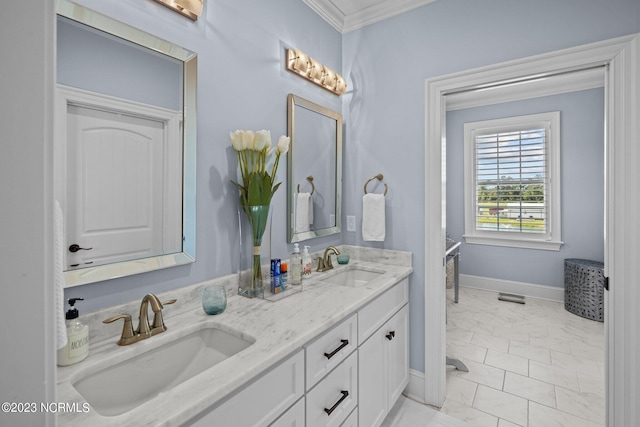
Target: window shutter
(511, 177)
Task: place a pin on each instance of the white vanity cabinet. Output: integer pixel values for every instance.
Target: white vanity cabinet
(349, 376)
(383, 356)
(264, 400)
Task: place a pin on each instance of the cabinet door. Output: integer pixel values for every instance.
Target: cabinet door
(262, 401)
(398, 351)
(294, 417)
(372, 406)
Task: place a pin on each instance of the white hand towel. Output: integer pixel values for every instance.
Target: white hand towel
(58, 275)
(373, 219)
(304, 211)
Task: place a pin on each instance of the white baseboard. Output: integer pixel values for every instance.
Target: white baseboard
(415, 388)
(531, 290)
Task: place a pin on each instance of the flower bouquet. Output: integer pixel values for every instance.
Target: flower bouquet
(256, 190)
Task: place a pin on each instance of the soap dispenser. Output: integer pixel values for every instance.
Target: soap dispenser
(307, 267)
(295, 266)
(77, 347)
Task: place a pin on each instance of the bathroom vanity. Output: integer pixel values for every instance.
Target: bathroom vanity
(335, 354)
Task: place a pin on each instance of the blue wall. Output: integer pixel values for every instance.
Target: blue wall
(87, 59)
(582, 187)
(386, 65)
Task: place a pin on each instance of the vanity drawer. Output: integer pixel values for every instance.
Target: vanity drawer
(327, 351)
(261, 402)
(331, 401)
(371, 317)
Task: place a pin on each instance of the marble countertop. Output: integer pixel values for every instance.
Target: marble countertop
(278, 328)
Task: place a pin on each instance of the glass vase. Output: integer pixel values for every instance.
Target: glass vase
(255, 250)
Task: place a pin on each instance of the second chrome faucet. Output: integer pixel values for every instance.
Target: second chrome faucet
(144, 329)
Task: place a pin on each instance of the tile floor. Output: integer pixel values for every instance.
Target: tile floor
(408, 413)
(531, 365)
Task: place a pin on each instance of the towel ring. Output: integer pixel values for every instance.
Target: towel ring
(379, 177)
(313, 187)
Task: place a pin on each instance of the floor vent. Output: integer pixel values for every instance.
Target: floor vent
(518, 299)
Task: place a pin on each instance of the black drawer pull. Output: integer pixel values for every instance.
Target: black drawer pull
(391, 335)
(345, 394)
(333, 353)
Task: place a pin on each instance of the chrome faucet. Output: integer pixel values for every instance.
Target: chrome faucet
(325, 263)
(144, 330)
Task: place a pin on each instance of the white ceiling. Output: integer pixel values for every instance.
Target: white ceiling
(349, 15)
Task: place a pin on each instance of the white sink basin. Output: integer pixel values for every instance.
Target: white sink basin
(126, 385)
(353, 276)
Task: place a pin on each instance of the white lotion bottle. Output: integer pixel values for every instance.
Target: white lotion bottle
(307, 267)
(77, 347)
(295, 266)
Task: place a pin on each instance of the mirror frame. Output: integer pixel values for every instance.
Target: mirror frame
(189, 59)
(294, 101)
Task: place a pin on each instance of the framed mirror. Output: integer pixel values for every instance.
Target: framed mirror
(125, 123)
(314, 185)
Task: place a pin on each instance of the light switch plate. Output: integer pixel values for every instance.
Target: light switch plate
(351, 223)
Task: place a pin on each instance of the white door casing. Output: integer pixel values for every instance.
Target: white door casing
(622, 200)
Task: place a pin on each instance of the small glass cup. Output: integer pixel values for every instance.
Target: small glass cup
(214, 299)
(343, 258)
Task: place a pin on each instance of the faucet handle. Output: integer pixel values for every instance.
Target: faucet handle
(321, 266)
(158, 322)
(328, 264)
(127, 335)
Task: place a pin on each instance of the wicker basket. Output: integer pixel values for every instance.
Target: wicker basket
(584, 288)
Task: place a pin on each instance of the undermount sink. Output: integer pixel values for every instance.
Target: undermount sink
(126, 385)
(353, 276)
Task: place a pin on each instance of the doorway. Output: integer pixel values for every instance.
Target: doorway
(619, 57)
(530, 363)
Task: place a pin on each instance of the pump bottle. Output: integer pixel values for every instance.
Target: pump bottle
(307, 266)
(77, 347)
(295, 266)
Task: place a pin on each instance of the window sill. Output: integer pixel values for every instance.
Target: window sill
(547, 245)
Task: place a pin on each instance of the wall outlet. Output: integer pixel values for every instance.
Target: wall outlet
(351, 223)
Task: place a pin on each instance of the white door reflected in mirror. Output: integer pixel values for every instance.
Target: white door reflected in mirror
(116, 189)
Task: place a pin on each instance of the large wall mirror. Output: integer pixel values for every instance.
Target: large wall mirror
(314, 193)
(125, 143)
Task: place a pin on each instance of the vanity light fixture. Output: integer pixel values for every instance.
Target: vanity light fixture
(300, 63)
(189, 8)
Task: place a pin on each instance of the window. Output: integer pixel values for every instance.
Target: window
(512, 185)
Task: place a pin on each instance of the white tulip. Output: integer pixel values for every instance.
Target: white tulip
(237, 141)
(248, 138)
(262, 140)
(283, 144)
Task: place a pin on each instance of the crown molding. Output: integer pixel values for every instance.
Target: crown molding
(328, 11)
(366, 16)
(380, 12)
